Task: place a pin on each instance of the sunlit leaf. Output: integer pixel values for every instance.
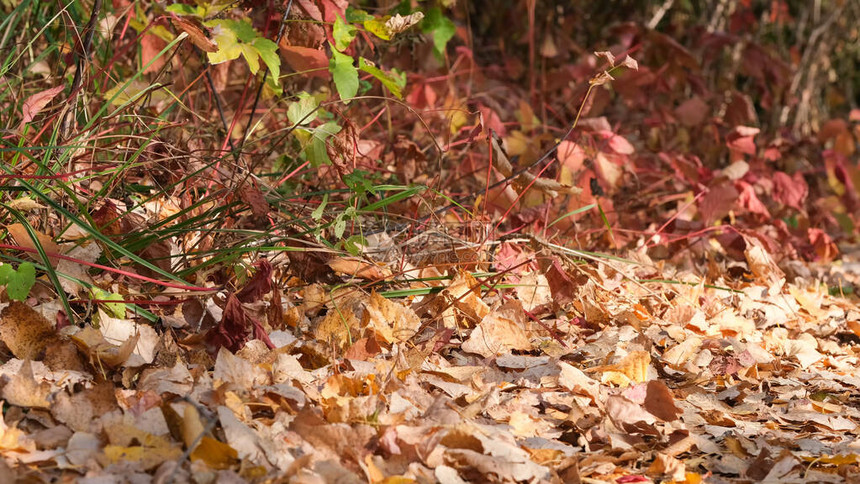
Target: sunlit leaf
(343, 33)
(345, 75)
(393, 81)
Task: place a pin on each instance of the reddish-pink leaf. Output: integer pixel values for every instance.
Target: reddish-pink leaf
(790, 191)
(570, 155)
(692, 112)
(617, 143)
(34, 104)
(150, 46)
(632, 478)
(311, 9)
(308, 61)
(492, 121)
(750, 201)
(717, 202)
(742, 139)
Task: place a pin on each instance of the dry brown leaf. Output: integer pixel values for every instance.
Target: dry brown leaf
(25, 332)
(496, 334)
(633, 368)
(392, 321)
(100, 352)
(24, 391)
(195, 33)
(464, 293)
(355, 267)
(22, 237)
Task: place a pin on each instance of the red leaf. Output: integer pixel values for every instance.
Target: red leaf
(740, 110)
(150, 46)
(232, 331)
(692, 112)
(333, 8)
(259, 285)
(34, 104)
(311, 9)
(309, 61)
(617, 143)
(825, 249)
(742, 139)
(750, 201)
(790, 191)
(562, 286)
(717, 202)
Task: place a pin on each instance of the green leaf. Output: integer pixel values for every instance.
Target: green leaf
(345, 75)
(318, 212)
(339, 226)
(377, 27)
(268, 51)
(116, 309)
(441, 27)
(300, 112)
(242, 28)
(5, 271)
(184, 9)
(356, 15)
(315, 149)
(354, 244)
(343, 33)
(18, 283)
(391, 80)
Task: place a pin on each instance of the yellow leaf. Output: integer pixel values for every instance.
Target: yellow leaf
(215, 454)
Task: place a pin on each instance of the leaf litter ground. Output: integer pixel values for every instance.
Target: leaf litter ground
(556, 369)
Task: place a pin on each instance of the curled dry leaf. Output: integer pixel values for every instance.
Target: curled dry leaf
(605, 54)
(399, 23)
(195, 33)
(355, 267)
(102, 353)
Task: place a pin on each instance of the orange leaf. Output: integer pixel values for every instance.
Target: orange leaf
(22, 237)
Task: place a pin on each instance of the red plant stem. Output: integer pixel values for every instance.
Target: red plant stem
(138, 302)
(673, 217)
(58, 176)
(109, 269)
